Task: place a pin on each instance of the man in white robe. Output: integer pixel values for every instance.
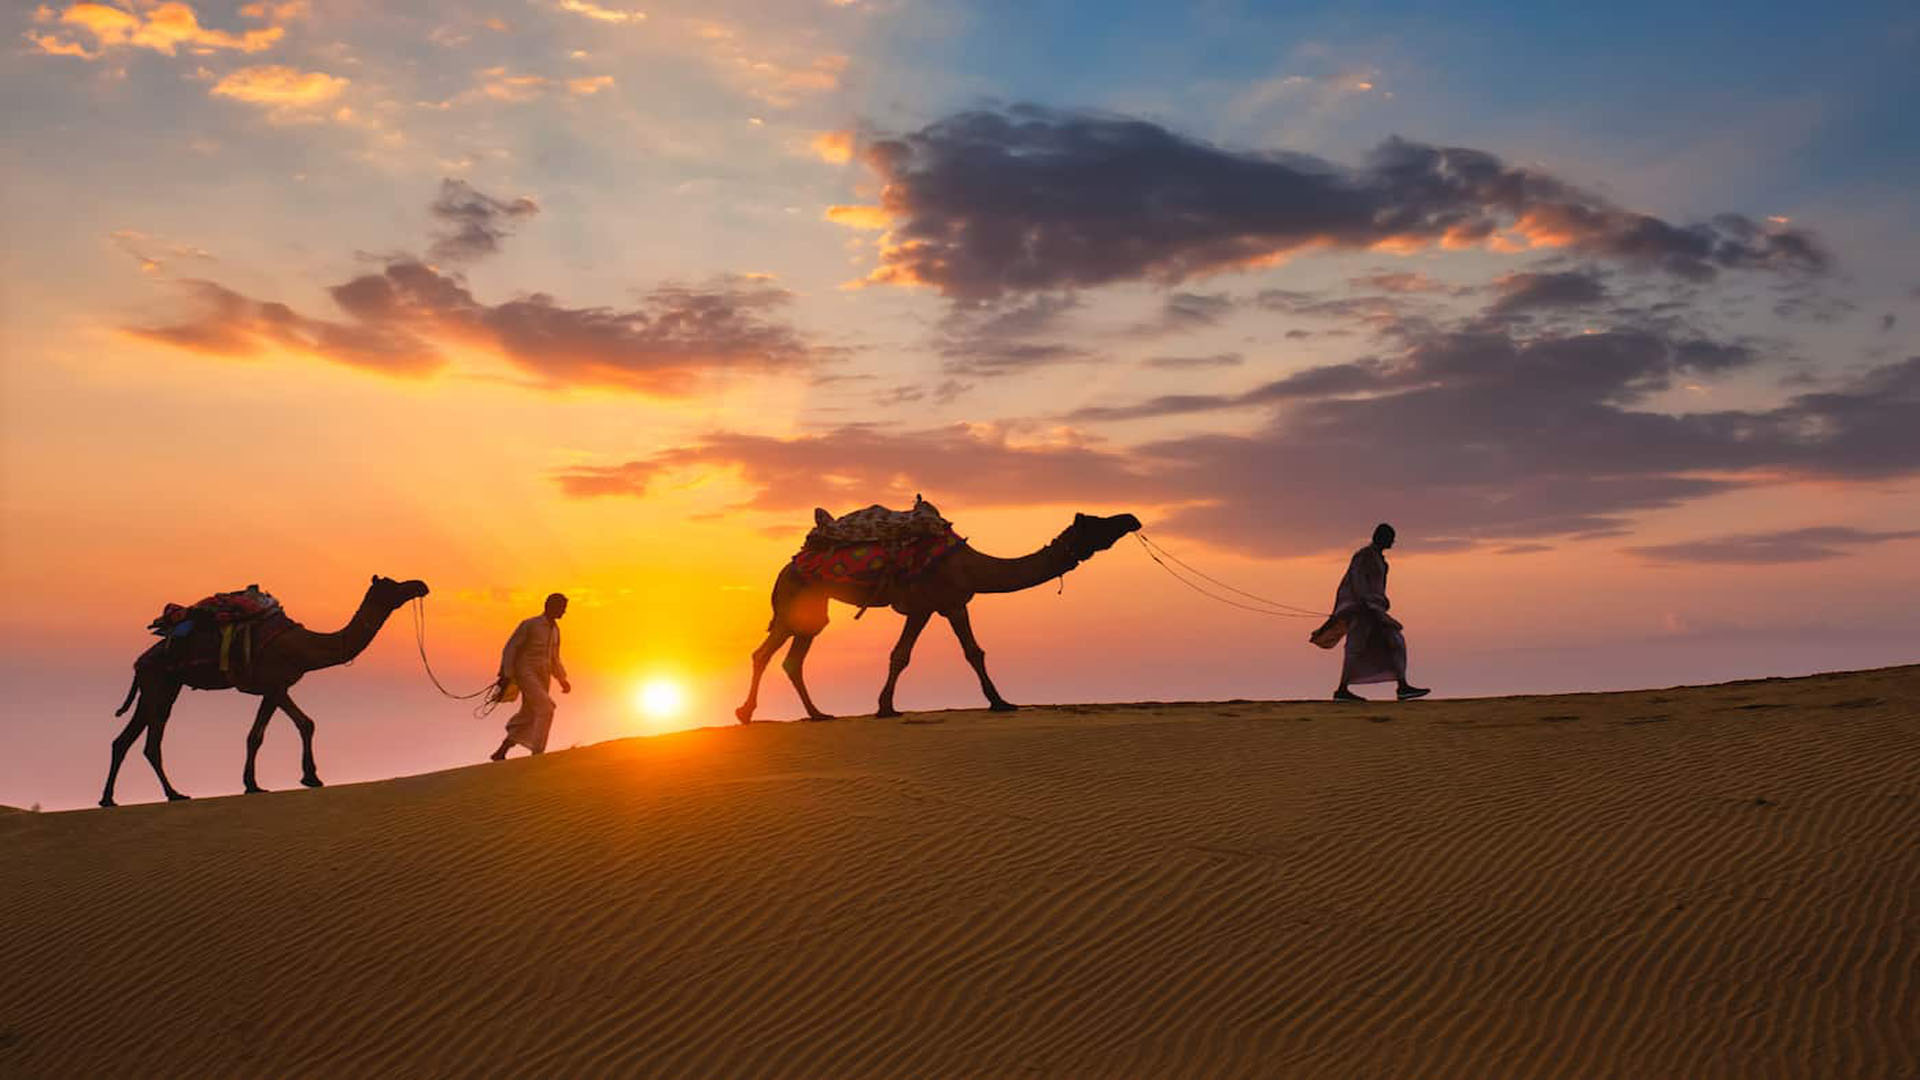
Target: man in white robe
(1376, 647)
(531, 658)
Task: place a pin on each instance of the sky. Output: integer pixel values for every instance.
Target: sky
(1611, 311)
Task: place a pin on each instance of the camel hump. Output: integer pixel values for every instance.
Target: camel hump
(821, 517)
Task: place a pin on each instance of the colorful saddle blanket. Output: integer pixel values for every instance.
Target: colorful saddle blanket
(222, 630)
(246, 605)
(876, 545)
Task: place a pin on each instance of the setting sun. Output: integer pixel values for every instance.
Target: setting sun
(660, 699)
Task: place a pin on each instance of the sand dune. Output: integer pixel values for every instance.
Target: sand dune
(1709, 882)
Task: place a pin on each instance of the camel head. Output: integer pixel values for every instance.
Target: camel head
(390, 594)
(1089, 535)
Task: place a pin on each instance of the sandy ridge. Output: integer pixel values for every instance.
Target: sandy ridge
(1700, 882)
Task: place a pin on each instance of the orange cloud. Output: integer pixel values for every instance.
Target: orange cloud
(600, 14)
(273, 84)
(860, 217)
(163, 28)
(590, 85)
(835, 147)
(290, 9)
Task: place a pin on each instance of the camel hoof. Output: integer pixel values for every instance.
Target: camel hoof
(311, 781)
(1003, 706)
(256, 789)
(816, 717)
(174, 796)
(743, 714)
(108, 802)
(887, 713)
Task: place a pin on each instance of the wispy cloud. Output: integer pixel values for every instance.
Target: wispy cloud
(1813, 544)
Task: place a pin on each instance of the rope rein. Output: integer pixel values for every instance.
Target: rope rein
(491, 690)
(1269, 607)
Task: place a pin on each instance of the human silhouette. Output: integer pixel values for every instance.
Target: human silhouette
(531, 658)
(1376, 648)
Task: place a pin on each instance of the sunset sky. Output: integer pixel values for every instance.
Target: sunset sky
(1614, 313)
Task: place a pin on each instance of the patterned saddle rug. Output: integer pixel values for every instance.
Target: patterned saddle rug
(222, 630)
(876, 545)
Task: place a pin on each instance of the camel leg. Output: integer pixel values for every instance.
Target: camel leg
(255, 735)
(901, 655)
(777, 636)
(794, 664)
(121, 744)
(308, 776)
(963, 630)
(162, 709)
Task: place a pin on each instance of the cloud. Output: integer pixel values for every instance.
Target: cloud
(1229, 359)
(991, 339)
(1462, 438)
(833, 147)
(153, 253)
(856, 465)
(402, 320)
(1531, 291)
(985, 203)
(471, 224)
(587, 9)
(278, 86)
(164, 28)
(1766, 549)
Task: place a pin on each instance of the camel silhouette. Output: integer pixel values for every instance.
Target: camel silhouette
(275, 667)
(800, 607)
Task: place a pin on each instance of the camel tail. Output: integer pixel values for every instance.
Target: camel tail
(132, 692)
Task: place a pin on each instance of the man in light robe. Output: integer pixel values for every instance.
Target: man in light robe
(531, 658)
(1376, 648)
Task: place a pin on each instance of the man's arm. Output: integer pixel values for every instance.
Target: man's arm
(560, 669)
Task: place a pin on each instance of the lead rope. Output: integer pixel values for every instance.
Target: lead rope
(1269, 607)
(491, 690)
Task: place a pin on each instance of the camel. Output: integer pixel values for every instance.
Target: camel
(275, 667)
(800, 607)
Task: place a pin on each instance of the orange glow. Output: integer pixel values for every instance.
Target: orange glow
(660, 699)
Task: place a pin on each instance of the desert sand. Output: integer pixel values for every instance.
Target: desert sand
(1705, 882)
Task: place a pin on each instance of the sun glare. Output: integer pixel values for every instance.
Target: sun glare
(660, 699)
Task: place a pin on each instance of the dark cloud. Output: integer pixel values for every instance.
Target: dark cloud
(1467, 438)
(398, 320)
(1765, 549)
(1531, 291)
(470, 224)
(997, 338)
(986, 203)
(1887, 321)
(1185, 311)
(1227, 359)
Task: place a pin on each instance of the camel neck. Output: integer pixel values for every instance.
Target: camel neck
(990, 574)
(351, 640)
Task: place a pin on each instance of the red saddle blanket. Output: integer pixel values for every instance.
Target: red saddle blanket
(875, 562)
(244, 605)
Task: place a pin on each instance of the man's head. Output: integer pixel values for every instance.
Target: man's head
(556, 606)
(1383, 536)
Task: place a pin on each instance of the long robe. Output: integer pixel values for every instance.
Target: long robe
(1376, 647)
(531, 659)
